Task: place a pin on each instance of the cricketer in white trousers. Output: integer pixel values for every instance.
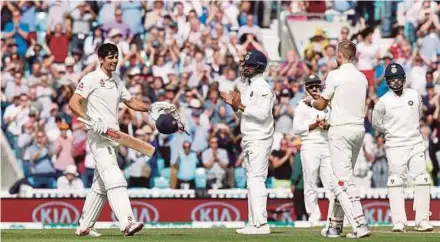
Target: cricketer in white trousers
(103, 94)
(398, 118)
(316, 163)
(257, 127)
(346, 89)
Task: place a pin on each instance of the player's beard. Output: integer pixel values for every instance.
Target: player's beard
(246, 73)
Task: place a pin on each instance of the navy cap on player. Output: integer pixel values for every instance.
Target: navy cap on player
(312, 79)
(167, 124)
(394, 70)
(255, 58)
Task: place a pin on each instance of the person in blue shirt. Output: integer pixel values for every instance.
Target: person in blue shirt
(186, 165)
(379, 71)
(19, 31)
(38, 157)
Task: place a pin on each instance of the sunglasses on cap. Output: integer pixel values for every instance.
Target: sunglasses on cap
(313, 86)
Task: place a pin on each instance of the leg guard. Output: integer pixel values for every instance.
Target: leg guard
(120, 204)
(396, 197)
(422, 197)
(94, 203)
(346, 204)
(358, 212)
(113, 177)
(117, 194)
(336, 214)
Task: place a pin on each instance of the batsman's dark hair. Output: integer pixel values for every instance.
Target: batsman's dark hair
(107, 49)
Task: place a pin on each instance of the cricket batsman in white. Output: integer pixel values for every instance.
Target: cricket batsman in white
(311, 125)
(96, 99)
(254, 106)
(346, 88)
(397, 114)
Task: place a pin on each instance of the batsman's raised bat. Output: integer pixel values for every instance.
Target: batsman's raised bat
(126, 140)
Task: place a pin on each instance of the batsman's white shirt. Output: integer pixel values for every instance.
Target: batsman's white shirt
(346, 87)
(398, 118)
(257, 121)
(304, 116)
(103, 95)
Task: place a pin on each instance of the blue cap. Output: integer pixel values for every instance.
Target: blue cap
(255, 58)
(393, 70)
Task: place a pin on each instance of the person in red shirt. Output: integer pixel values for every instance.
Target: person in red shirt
(58, 42)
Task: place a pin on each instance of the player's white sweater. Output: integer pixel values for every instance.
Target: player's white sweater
(398, 118)
(304, 116)
(257, 120)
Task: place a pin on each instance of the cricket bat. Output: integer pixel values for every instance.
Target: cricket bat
(125, 140)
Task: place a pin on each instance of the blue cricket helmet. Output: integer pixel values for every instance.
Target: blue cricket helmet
(256, 59)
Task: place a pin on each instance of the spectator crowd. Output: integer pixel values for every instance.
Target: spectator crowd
(187, 53)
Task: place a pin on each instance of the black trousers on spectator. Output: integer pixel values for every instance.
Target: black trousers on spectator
(361, 8)
(433, 149)
(299, 205)
(138, 182)
(88, 177)
(166, 154)
(77, 41)
(192, 183)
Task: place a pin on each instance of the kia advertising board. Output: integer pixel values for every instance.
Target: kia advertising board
(68, 211)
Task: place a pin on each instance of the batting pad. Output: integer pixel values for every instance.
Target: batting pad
(422, 197)
(336, 215)
(120, 204)
(113, 177)
(91, 210)
(396, 197)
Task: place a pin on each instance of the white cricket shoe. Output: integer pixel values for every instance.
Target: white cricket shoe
(88, 232)
(360, 232)
(331, 232)
(424, 226)
(133, 228)
(250, 229)
(399, 227)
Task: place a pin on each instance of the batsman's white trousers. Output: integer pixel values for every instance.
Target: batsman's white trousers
(256, 161)
(316, 163)
(345, 142)
(108, 182)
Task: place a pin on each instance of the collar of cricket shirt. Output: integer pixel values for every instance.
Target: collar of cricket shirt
(104, 76)
(347, 66)
(253, 79)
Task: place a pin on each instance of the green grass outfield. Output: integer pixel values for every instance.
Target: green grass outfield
(208, 235)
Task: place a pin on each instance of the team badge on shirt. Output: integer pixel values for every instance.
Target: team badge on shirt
(410, 103)
(326, 110)
(102, 83)
(248, 55)
(80, 86)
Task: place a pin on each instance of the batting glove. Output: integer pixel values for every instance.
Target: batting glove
(99, 127)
